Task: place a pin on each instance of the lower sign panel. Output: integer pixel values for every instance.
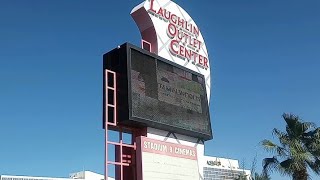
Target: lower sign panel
(159, 160)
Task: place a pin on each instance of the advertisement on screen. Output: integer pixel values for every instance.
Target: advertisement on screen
(168, 95)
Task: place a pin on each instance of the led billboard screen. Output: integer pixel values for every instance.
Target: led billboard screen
(154, 92)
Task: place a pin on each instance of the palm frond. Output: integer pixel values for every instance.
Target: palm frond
(313, 133)
(286, 163)
(301, 156)
(269, 145)
(270, 164)
(296, 145)
(308, 126)
(283, 137)
(314, 166)
(290, 119)
(274, 148)
(295, 126)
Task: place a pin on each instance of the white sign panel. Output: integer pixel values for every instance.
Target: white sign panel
(166, 161)
(173, 35)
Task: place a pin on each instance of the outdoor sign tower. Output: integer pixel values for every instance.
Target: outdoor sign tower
(160, 94)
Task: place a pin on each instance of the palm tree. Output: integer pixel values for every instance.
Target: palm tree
(299, 149)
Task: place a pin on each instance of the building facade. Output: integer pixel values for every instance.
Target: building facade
(212, 168)
(82, 175)
(215, 168)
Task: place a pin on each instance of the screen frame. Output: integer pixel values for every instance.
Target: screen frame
(159, 125)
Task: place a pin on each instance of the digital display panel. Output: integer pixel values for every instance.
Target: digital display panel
(164, 94)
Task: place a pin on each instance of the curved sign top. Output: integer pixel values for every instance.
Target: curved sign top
(173, 35)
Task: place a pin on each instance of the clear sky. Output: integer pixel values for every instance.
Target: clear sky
(264, 59)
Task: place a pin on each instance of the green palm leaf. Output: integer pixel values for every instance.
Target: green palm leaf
(298, 150)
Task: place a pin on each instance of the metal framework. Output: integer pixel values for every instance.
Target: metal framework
(143, 43)
(123, 159)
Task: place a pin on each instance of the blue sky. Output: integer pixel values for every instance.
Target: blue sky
(264, 58)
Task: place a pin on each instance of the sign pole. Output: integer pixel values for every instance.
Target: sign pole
(106, 151)
(106, 130)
